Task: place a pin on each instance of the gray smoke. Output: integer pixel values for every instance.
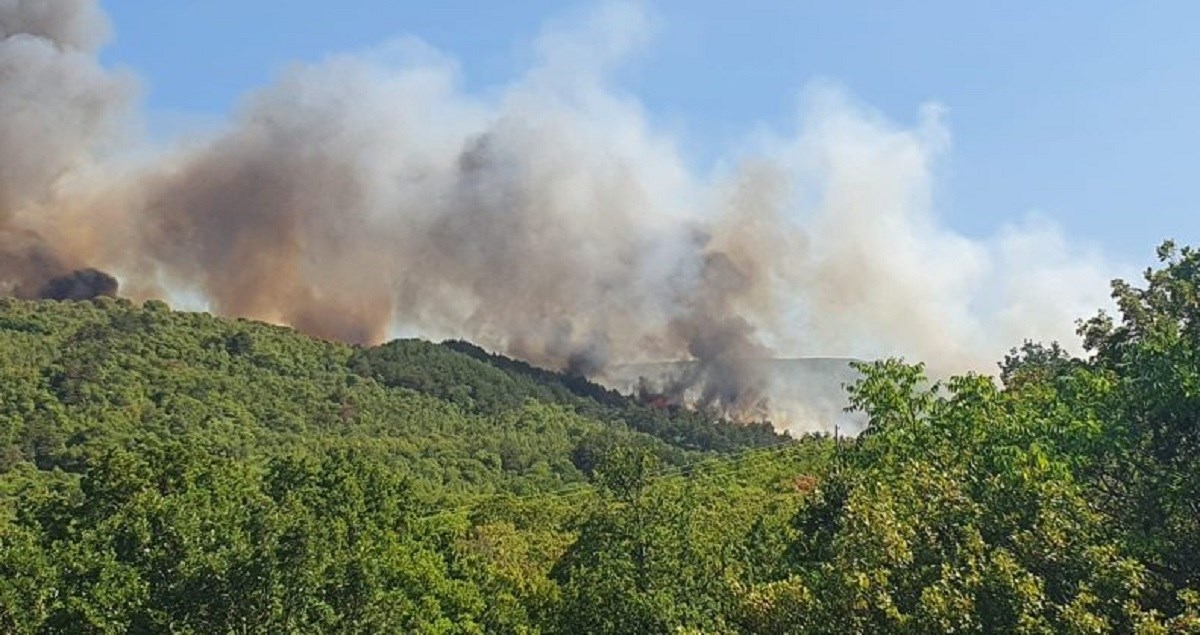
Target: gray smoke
(58, 107)
(369, 194)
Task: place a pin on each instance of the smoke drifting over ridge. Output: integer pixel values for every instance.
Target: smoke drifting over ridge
(549, 220)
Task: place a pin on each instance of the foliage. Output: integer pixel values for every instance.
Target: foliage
(173, 472)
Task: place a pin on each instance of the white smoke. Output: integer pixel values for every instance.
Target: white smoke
(552, 219)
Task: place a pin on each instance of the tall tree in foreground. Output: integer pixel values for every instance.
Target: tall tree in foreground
(1151, 356)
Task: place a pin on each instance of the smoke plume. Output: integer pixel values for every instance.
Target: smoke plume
(58, 107)
(370, 193)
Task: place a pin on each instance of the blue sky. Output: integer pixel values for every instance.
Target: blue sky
(1085, 112)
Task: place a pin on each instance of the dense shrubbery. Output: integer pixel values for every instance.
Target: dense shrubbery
(172, 472)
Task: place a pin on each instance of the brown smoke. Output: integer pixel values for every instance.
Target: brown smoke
(369, 194)
(57, 107)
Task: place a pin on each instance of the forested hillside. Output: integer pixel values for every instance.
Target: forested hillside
(164, 471)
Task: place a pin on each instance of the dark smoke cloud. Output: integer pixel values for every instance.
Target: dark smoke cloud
(369, 194)
(83, 284)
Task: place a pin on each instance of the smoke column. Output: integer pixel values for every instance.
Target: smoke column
(57, 108)
(551, 220)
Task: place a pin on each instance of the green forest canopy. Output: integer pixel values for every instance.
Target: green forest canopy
(164, 471)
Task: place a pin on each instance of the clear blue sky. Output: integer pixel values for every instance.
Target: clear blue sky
(1087, 112)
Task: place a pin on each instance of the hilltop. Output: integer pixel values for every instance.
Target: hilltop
(83, 377)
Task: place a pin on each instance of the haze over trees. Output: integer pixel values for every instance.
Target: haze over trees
(164, 471)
